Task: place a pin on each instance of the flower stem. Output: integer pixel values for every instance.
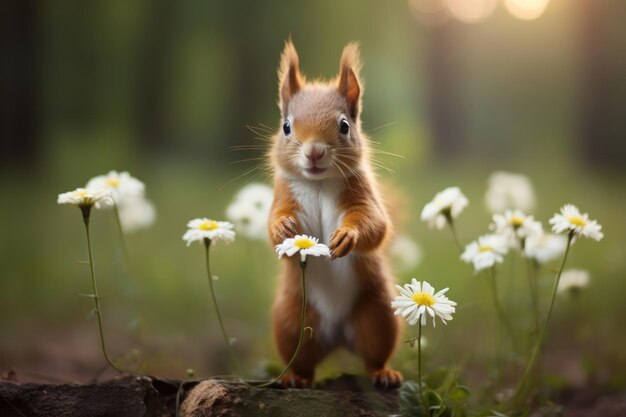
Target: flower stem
(502, 318)
(499, 320)
(425, 402)
(96, 297)
(534, 293)
(301, 337)
(450, 222)
(122, 236)
(522, 389)
(419, 353)
(207, 245)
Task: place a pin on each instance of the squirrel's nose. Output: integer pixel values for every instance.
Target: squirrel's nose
(314, 154)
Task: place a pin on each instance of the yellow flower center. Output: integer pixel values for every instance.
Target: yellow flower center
(485, 248)
(577, 221)
(303, 243)
(208, 225)
(82, 193)
(113, 182)
(517, 221)
(423, 299)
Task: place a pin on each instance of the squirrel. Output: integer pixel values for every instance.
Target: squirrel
(324, 187)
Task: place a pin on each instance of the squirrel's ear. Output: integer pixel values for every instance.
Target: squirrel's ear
(348, 83)
(289, 78)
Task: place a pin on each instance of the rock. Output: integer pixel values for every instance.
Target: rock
(145, 396)
(128, 396)
(215, 398)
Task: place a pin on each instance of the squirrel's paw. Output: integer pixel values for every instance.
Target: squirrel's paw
(386, 378)
(291, 380)
(284, 227)
(342, 241)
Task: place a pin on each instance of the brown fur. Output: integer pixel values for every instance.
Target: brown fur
(316, 110)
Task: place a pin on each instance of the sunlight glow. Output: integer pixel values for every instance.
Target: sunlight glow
(526, 9)
(471, 11)
(429, 12)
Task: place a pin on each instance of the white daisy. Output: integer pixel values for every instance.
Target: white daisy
(250, 210)
(486, 251)
(82, 197)
(571, 220)
(515, 226)
(304, 244)
(136, 213)
(573, 280)
(417, 300)
(544, 247)
(406, 253)
(448, 203)
(203, 228)
(509, 191)
(121, 185)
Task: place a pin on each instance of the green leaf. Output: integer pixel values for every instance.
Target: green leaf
(436, 403)
(410, 400)
(434, 398)
(460, 392)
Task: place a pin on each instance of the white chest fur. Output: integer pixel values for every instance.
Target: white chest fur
(331, 284)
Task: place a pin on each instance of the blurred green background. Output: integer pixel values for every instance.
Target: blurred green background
(164, 89)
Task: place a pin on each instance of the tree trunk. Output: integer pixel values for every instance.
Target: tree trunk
(602, 129)
(444, 106)
(19, 102)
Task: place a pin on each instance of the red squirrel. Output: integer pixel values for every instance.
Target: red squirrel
(324, 187)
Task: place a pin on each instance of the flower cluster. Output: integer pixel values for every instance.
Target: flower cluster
(121, 190)
(508, 196)
(128, 194)
(524, 233)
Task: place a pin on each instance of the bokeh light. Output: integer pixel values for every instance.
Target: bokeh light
(429, 12)
(526, 9)
(471, 11)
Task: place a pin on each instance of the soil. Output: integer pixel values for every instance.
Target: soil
(347, 395)
(153, 397)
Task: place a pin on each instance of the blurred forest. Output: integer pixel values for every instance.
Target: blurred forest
(165, 89)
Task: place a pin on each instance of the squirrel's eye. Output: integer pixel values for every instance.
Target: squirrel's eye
(344, 127)
(287, 127)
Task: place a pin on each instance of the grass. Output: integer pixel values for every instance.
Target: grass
(162, 306)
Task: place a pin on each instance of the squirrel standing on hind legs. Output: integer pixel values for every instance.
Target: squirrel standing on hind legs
(324, 187)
